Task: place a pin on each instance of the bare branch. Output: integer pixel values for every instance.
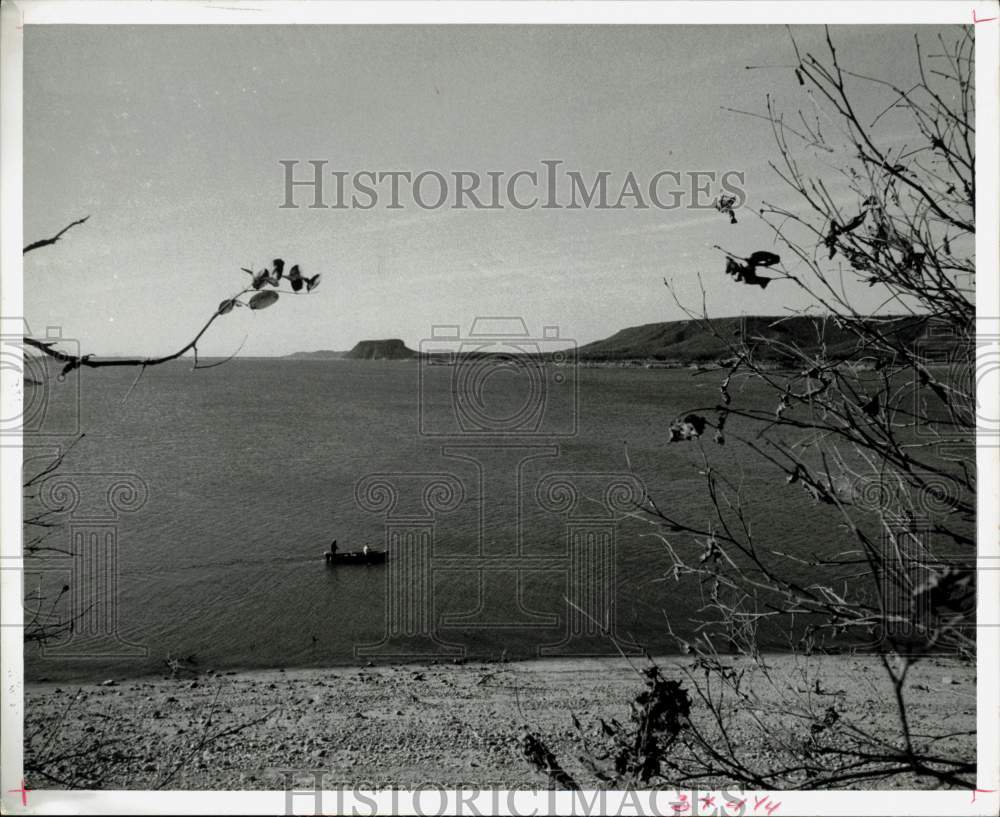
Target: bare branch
(46, 242)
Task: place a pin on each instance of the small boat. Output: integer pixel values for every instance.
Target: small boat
(355, 557)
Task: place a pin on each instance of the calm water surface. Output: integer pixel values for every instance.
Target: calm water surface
(251, 469)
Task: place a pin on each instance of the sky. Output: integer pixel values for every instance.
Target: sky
(170, 138)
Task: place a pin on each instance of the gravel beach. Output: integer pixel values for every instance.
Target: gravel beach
(412, 725)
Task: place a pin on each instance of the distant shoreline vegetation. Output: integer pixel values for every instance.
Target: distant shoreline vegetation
(684, 343)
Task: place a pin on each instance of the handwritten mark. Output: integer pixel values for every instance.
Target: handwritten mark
(981, 791)
(763, 801)
(984, 20)
(23, 792)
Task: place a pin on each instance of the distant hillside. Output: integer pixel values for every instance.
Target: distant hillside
(688, 341)
(319, 354)
(680, 342)
(390, 349)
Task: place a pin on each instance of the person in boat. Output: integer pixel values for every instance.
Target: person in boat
(366, 550)
(333, 548)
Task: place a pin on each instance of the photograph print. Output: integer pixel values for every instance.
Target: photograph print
(503, 407)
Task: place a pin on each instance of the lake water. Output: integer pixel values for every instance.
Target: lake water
(245, 473)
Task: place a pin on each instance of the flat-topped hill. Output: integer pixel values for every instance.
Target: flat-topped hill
(389, 349)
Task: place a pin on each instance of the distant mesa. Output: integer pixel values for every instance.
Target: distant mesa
(390, 349)
(387, 349)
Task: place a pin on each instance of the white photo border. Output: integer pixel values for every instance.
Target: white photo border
(15, 15)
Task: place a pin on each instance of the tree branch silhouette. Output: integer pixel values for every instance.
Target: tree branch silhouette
(47, 242)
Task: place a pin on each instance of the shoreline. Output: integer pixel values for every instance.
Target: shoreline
(420, 724)
(97, 673)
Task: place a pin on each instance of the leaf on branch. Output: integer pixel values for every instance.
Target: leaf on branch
(271, 277)
(259, 278)
(913, 260)
(262, 300)
(747, 273)
(720, 424)
(836, 230)
(724, 204)
(227, 306)
(858, 260)
(298, 280)
(712, 551)
(763, 258)
(691, 427)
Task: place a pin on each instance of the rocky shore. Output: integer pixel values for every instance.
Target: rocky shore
(408, 725)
